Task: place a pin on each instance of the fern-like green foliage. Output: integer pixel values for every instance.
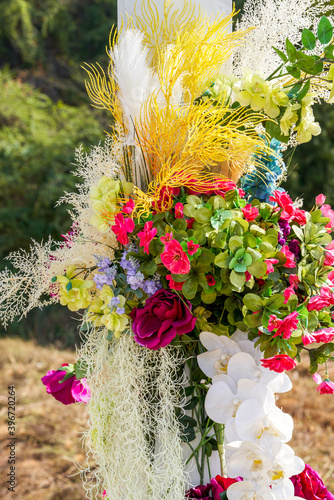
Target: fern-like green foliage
(37, 145)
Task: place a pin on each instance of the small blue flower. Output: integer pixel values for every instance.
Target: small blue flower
(120, 310)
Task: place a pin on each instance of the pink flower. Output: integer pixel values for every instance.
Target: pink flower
(325, 299)
(174, 284)
(308, 484)
(330, 276)
(307, 338)
(220, 484)
(166, 195)
(320, 200)
(279, 363)
(287, 293)
(250, 213)
(329, 259)
(210, 280)
(324, 335)
(294, 280)
(175, 259)
(326, 387)
(290, 257)
(192, 247)
(70, 391)
(284, 326)
(327, 211)
(167, 238)
(317, 378)
(122, 228)
(179, 211)
(289, 211)
(248, 276)
(104, 494)
(270, 266)
(147, 236)
(241, 192)
(128, 207)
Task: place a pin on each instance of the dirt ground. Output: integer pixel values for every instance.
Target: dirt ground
(48, 433)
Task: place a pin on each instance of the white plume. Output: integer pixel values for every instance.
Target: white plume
(133, 76)
(274, 21)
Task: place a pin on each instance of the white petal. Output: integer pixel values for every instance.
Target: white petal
(244, 490)
(219, 403)
(206, 361)
(242, 365)
(212, 341)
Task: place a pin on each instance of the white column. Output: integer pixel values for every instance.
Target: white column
(211, 7)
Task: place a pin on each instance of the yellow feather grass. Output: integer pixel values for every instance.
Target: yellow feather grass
(181, 145)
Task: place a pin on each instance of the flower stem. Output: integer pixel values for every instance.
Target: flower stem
(219, 429)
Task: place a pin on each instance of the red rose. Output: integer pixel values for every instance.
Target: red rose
(163, 317)
(308, 484)
(279, 363)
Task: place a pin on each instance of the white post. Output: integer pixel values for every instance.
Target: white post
(211, 7)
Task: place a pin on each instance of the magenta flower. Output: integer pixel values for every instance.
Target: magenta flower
(279, 363)
(221, 484)
(250, 213)
(167, 238)
(200, 492)
(128, 207)
(192, 247)
(287, 293)
(307, 338)
(179, 211)
(70, 391)
(270, 265)
(163, 317)
(324, 335)
(326, 387)
(147, 235)
(122, 228)
(325, 299)
(308, 484)
(175, 259)
(284, 326)
(290, 257)
(210, 280)
(289, 213)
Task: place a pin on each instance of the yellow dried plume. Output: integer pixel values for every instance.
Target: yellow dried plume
(182, 141)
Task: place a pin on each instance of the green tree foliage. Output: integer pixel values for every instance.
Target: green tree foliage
(37, 143)
(312, 167)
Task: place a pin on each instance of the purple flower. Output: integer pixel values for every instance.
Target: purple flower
(285, 231)
(106, 273)
(308, 484)
(294, 247)
(136, 281)
(151, 286)
(163, 317)
(68, 392)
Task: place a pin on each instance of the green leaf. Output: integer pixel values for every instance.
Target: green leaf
(189, 390)
(235, 243)
(291, 50)
(237, 279)
(296, 73)
(54, 279)
(304, 91)
(253, 302)
(191, 404)
(189, 288)
(253, 320)
(281, 54)
(80, 369)
(223, 259)
(203, 215)
(258, 269)
(308, 39)
(180, 225)
(69, 286)
(206, 257)
(208, 297)
(325, 30)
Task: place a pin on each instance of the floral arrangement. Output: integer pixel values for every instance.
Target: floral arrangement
(198, 279)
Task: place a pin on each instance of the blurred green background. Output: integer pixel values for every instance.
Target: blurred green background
(45, 114)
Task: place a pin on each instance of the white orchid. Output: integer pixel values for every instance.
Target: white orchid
(238, 360)
(249, 490)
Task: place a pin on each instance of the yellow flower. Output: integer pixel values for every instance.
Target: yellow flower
(306, 129)
(104, 198)
(101, 312)
(330, 76)
(254, 92)
(289, 118)
(74, 291)
(275, 99)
